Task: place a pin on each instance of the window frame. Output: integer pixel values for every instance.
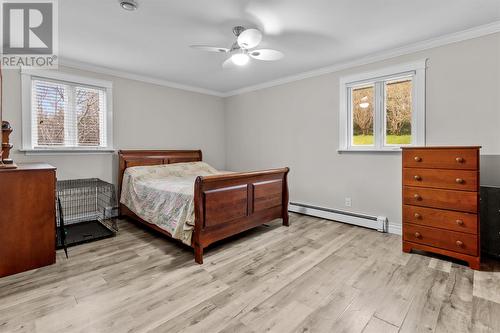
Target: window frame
(28, 75)
(415, 69)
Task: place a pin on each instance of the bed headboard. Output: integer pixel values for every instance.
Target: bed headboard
(131, 158)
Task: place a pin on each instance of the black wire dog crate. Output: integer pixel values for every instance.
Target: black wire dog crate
(87, 211)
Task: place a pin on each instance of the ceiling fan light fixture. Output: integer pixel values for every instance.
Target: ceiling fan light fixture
(240, 59)
(242, 50)
(129, 5)
(249, 38)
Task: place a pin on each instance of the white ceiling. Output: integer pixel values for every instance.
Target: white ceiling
(154, 40)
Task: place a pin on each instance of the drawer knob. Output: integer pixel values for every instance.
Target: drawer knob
(459, 159)
(459, 181)
(417, 197)
(460, 244)
(417, 177)
(417, 215)
(418, 235)
(460, 222)
(417, 159)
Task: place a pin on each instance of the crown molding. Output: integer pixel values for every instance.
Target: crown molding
(456, 37)
(136, 77)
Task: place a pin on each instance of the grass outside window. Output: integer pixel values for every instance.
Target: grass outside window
(364, 140)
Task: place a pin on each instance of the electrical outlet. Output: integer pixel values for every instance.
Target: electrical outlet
(348, 202)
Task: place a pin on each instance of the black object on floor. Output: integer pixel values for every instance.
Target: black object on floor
(490, 221)
(83, 232)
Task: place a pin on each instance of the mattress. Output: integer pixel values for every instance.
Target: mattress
(164, 195)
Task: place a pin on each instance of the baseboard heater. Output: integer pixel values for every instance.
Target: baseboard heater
(374, 222)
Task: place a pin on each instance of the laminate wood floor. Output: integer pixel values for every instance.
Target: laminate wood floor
(315, 276)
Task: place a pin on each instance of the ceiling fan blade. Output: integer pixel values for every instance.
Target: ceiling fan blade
(210, 48)
(249, 38)
(266, 54)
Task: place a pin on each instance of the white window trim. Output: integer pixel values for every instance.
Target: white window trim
(418, 69)
(27, 144)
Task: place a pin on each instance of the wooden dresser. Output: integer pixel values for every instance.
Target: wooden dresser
(27, 218)
(441, 201)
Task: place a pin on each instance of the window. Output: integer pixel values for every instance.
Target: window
(383, 110)
(62, 112)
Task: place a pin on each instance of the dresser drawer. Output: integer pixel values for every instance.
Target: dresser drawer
(445, 199)
(28, 214)
(438, 218)
(444, 239)
(463, 159)
(439, 178)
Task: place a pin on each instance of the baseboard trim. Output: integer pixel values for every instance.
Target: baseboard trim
(378, 223)
(395, 229)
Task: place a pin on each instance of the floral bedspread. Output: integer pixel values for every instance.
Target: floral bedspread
(164, 195)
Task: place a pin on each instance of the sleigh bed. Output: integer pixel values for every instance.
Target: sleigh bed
(225, 204)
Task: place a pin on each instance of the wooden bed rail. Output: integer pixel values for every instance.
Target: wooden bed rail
(231, 203)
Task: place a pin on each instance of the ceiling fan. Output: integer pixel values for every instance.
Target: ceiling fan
(242, 49)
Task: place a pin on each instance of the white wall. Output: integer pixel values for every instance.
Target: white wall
(296, 125)
(146, 116)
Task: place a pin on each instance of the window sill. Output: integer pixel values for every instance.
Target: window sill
(67, 151)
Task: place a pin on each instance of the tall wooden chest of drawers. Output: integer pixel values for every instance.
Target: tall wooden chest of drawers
(27, 218)
(441, 202)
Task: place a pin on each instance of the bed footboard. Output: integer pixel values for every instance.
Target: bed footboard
(228, 204)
